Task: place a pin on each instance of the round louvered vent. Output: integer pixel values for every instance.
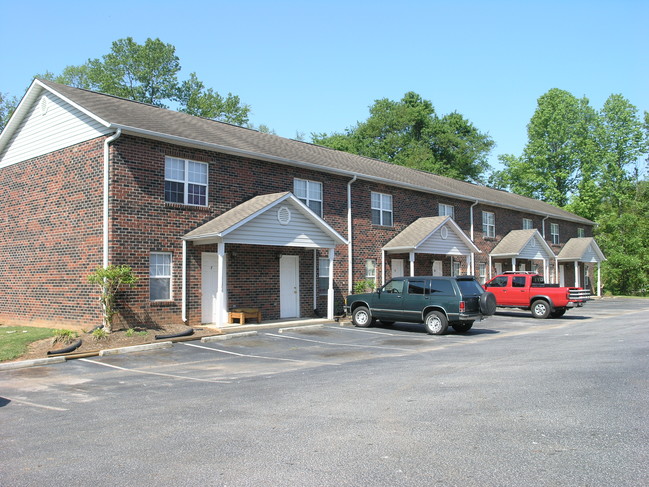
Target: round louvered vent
(284, 215)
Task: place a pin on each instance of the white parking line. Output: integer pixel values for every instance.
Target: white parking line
(227, 352)
(33, 404)
(361, 330)
(144, 372)
(338, 344)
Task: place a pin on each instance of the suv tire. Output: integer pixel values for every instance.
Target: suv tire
(487, 303)
(362, 317)
(540, 309)
(462, 327)
(436, 323)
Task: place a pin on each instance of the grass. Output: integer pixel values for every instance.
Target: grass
(14, 340)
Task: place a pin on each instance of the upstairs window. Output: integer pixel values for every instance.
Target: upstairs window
(489, 224)
(309, 193)
(446, 210)
(528, 224)
(581, 233)
(381, 209)
(554, 233)
(185, 182)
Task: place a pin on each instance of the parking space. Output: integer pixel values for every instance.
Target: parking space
(268, 352)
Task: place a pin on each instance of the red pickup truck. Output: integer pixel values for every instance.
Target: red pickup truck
(528, 291)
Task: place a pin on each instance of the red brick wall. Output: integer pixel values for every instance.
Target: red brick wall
(51, 238)
(53, 221)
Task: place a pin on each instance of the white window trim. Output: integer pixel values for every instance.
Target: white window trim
(489, 227)
(446, 210)
(554, 234)
(368, 269)
(170, 277)
(381, 209)
(308, 198)
(323, 273)
(186, 182)
(528, 224)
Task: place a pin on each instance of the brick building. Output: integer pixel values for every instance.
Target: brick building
(212, 217)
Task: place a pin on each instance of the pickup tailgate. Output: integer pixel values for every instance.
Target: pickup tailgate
(577, 294)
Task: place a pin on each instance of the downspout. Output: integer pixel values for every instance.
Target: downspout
(184, 283)
(472, 240)
(110, 139)
(350, 260)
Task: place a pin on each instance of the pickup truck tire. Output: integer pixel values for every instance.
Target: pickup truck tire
(558, 313)
(436, 323)
(362, 317)
(540, 309)
(488, 303)
(462, 327)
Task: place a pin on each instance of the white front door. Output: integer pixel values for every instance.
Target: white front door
(499, 268)
(397, 268)
(289, 286)
(209, 274)
(437, 268)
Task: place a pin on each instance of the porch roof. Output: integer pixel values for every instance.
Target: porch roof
(523, 244)
(432, 235)
(582, 249)
(271, 219)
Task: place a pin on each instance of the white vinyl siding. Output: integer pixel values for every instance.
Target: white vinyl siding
(50, 125)
(488, 224)
(160, 276)
(381, 209)
(309, 193)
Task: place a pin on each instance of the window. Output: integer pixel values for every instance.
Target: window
(323, 275)
(528, 224)
(482, 272)
(441, 287)
(418, 287)
(488, 224)
(446, 210)
(370, 269)
(394, 287)
(518, 281)
(185, 182)
(500, 281)
(554, 232)
(581, 233)
(457, 268)
(160, 276)
(309, 193)
(381, 209)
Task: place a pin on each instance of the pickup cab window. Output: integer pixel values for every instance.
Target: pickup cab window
(518, 281)
(500, 281)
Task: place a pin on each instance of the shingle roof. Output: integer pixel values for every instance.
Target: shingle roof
(513, 243)
(415, 234)
(576, 248)
(151, 121)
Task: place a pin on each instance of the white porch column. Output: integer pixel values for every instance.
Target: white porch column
(599, 279)
(412, 263)
(489, 278)
(330, 289)
(382, 269)
(546, 269)
(557, 278)
(221, 305)
(471, 258)
(577, 273)
(513, 263)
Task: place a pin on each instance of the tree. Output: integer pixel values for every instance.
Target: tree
(408, 132)
(110, 279)
(148, 73)
(7, 107)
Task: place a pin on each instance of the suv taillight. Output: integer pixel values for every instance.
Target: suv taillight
(462, 306)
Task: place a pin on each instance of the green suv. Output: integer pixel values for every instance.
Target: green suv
(435, 301)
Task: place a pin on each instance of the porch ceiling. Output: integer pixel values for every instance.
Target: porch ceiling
(272, 219)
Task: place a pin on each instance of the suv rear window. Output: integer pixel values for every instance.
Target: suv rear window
(469, 287)
(442, 287)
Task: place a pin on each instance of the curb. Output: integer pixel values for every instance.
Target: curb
(31, 363)
(228, 336)
(136, 348)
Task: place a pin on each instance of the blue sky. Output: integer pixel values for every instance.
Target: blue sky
(315, 66)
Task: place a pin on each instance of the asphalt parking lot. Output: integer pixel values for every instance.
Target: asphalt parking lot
(516, 401)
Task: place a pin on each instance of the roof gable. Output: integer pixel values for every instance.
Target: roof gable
(437, 234)
(271, 219)
(526, 244)
(582, 249)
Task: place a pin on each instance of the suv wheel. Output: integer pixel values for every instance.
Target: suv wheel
(436, 323)
(361, 317)
(540, 309)
(463, 327)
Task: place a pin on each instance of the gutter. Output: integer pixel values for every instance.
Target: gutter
(107, 142)
(350, 261)
(307, 165)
